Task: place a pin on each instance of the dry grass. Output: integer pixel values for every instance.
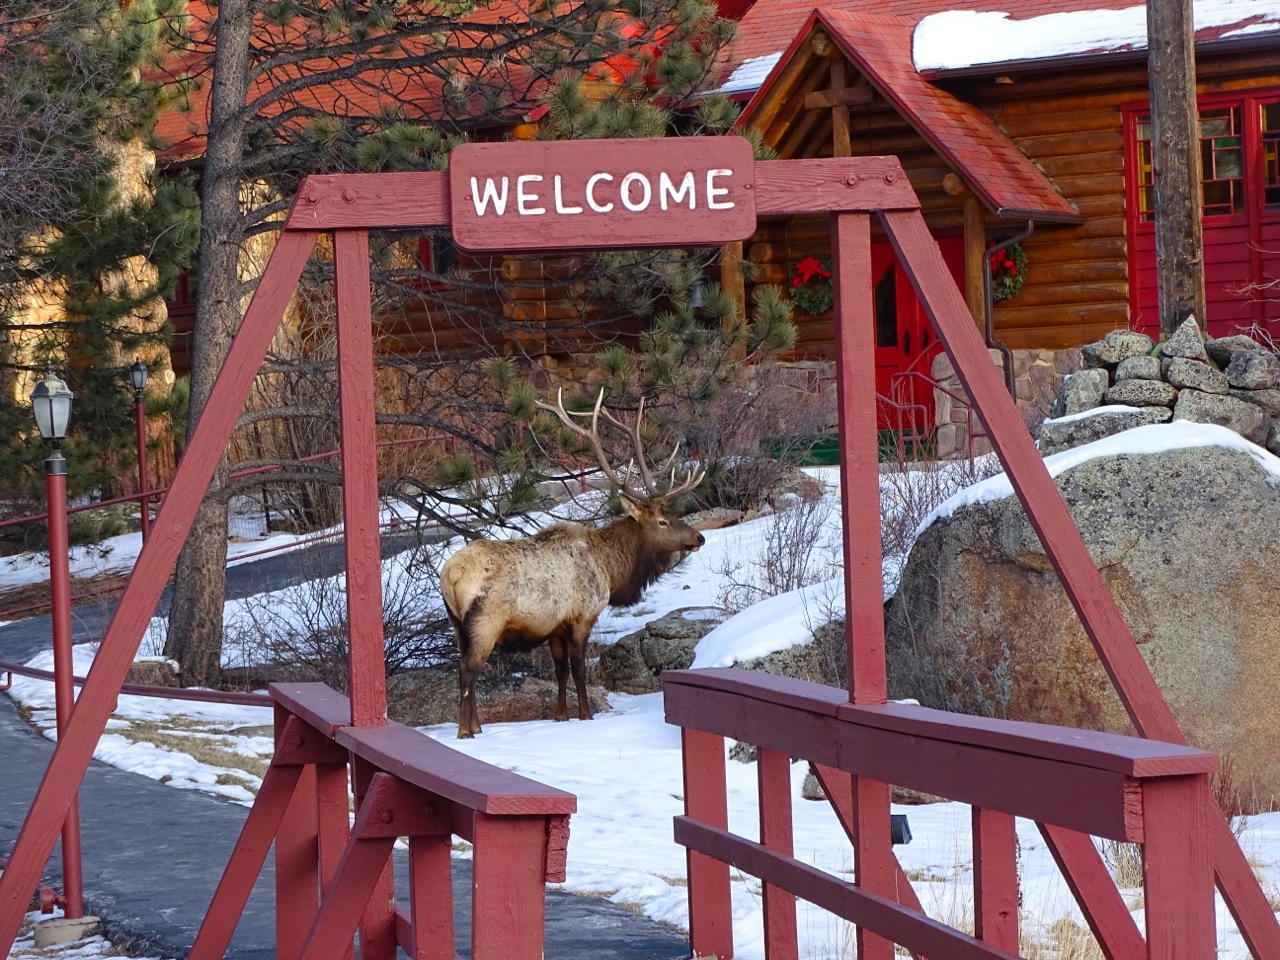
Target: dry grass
(1065, 939)
(206, 744)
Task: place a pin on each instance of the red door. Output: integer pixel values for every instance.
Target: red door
(905, 341)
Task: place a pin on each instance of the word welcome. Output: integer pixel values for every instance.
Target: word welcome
(635, 191)
(575, 195)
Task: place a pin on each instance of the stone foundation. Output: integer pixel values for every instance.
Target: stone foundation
(1037, 376)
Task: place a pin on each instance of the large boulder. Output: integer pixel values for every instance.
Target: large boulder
(1185, 541)
(635, 662)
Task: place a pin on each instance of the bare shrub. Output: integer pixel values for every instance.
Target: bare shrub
(754, 432)
(911, 489)
(800, 545)
(301, 632)
(1124, 860)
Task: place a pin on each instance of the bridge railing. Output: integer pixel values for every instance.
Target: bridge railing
(1074, 784)
(334, 877)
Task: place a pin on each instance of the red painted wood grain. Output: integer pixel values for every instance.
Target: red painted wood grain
(995, 879)
(706, 800)
(773, 772)
(147, 581)
(369, 201)
(297, 872)
(507, 888)
(366, 657)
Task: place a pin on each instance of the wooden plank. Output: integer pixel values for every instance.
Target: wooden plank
(1177, 868)
(1097, 801)
(1240, 888)
(333, 823)
(705, 801)
(297, 869)
(849, 184)
(900, 924)
(431, 898)
(376, 795)
(507, 897)
(142, 592)
(383, 201)
(250, 853)
(995, 878)
(418, 759)
(840, 146)
(873, 859)
(1131, 756)
(859, 456)
(1104, 909)
(318, 704)
(839, 96)
(773, 771)
(362, 545)
(298, 744)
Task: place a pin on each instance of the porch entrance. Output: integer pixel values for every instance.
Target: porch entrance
(905, 339)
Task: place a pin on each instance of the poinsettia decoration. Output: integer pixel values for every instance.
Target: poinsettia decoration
(811, 290)
(1008, 269)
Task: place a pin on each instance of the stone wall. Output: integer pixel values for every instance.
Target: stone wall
(1128, 381)
(1037, 377)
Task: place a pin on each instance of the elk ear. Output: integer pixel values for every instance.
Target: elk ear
(629, 507)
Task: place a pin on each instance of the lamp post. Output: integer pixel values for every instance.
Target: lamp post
(138, 376)
(51, 403)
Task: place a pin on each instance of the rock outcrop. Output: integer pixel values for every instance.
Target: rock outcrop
(635, 662)
(1129, 381)
(1185, 541)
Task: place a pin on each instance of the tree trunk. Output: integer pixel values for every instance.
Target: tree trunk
(195, 619)
(1175, 152)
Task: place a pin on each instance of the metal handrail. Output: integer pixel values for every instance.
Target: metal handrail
(147, 690)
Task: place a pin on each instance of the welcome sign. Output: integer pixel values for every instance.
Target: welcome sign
(682, 191)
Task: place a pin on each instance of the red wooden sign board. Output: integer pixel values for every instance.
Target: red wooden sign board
(637, 193)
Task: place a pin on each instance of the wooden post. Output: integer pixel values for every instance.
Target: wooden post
(733, 282)
(1175, 153)
(705, 800)
(1177, 869)
(995, 879)
(975, 258)
(774, 772)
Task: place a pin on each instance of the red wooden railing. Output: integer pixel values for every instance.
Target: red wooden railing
(1073, 783)
(332, 879)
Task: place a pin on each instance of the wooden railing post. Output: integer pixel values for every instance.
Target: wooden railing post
(776, 833)
(705, 800)
(1177, 869)
(297, 868)
(508, 907)
(995, 879)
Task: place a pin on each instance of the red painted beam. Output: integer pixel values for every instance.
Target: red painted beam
(773, 771)
(142, 592)
(366, 658)
(705, 800)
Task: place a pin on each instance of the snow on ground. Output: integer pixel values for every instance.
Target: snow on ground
(625, 765)
(90, 948)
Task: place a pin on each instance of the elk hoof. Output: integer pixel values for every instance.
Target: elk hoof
(466, 735)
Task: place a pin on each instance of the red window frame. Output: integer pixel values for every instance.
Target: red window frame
(1241, 183)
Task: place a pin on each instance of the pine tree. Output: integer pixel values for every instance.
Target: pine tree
(85, 252)
(291, 91)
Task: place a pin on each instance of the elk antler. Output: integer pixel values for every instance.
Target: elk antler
(652, 493)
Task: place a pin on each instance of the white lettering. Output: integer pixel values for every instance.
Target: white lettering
(667, 189)
(713, 191)
(591, 193)
(489, 195)
(560, 204)
(524, 197)
(627, 181)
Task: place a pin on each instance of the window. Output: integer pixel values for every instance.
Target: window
(1221, 161)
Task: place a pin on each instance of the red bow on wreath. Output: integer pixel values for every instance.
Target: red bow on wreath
(807, 269)
(1000, 261)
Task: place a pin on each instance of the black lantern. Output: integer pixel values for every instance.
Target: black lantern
(51, 403)
(698, 294)
(138, 375)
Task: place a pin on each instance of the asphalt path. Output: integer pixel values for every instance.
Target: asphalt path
(153, 854)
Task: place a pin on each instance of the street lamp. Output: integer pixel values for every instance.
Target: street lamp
(138, 377)
(51, 404)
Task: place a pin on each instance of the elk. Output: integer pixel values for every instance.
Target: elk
(552, 587)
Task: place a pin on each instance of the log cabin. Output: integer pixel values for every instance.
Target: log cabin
(1029, 126)
(1027, 121)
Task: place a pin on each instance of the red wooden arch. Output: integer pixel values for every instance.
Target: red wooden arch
(851, 191)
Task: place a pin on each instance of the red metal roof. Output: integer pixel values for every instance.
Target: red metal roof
(992, 165)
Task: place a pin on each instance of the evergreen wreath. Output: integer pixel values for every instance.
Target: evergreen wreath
(1008, 270)
(811, 290)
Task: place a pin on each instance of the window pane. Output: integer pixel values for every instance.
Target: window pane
(1222, 161)
(886, 299)
(1271, 155)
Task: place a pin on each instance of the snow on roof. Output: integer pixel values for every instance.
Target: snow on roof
(956, 39)
(750, 73)
(1153, 438)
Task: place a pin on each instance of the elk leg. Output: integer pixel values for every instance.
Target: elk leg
(560, 654)
(578, 658)
(468, 716)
